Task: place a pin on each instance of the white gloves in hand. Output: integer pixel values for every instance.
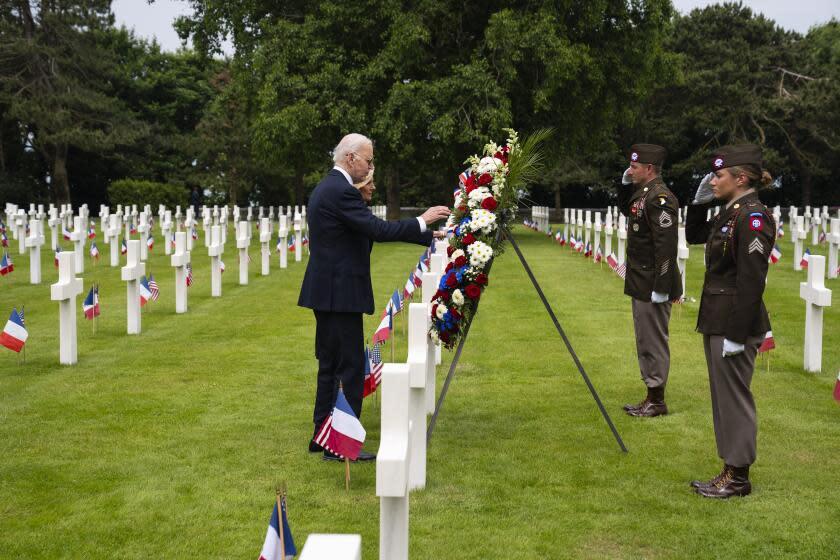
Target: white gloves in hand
(704, 192)
(658, 297)
(731, 348)
(625, 179)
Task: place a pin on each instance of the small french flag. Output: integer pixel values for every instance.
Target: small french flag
(775, 254)
(837, 389)
(769, 343)
(804, 262)
(144, 291)
(275, 548)
(14, 335)
(342, 433)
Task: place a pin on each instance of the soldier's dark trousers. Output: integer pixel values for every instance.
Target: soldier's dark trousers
(650, 321)
(733, 407)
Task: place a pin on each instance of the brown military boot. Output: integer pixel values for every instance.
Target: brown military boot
(653, 405)
(700, 484)
(734, 482)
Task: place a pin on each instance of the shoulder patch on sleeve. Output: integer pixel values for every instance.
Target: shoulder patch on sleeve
(756, 220)
(665, 220)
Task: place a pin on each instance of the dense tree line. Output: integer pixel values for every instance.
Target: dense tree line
(84, 103)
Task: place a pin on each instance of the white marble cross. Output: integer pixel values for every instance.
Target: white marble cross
(429, 287)
(54, 222)
(207, 221)
(682, 255)
(265, 245)
(608, 234)
(34, 242)
(180, 259)
(596, 242)
(113, 233)
(284, 234)
(78, 237)
(189, 224)
(833, 248)
(165, 228)
(298, 243)
(20, 228)
(815, 229)
(320, 546)
(622, 238)
(65, 292)
(215, 251)
(421, 352)
(143, 231)
(798, 232)
(816, 297)
(579, 223)
(566, 223)
(392, 463)
(131, 274)
(243, 241)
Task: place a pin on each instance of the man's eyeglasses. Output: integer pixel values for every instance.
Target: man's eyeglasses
(368, 160)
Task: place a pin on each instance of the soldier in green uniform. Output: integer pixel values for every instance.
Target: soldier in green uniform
(732, 316)
(652, 277)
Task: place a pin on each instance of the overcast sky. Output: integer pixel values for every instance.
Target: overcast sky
(155, 20)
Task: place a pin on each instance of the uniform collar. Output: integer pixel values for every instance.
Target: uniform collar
(640, 190)
(743, 197)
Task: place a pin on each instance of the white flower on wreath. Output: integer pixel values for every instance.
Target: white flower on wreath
(459, 199)
(489, 165)
(455, 254)
(441, 311)
(480, 252)
(482, 220)
(458, 298)
(434, 336)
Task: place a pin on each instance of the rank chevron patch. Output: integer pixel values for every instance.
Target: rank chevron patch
(756, 245)
(665, 220)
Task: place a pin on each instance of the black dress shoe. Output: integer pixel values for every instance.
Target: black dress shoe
(363, 456)
(314, 447)
(700, 484)
(649, 409)
(734, 482)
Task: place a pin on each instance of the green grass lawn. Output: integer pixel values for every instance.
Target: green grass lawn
(169, 444)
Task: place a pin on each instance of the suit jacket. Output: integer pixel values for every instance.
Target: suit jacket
(652, 212)
(738, 244)
(342, 230)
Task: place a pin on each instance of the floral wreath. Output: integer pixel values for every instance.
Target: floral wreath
(485, 204)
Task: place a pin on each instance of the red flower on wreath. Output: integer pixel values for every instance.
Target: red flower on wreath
(472, 291)
(454, 313)
(443, 295)
(489, 203)
(470, 182)
(451, 281)
(448, 267)
(502, 154)
(450, 250)
(485, 178)
(481, 279)
(460, 261)
(469, 239)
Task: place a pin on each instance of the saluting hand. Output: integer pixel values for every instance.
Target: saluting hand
(435, 214)
(704, 192)
(625, 179)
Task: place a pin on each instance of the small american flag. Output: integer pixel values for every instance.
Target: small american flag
(189, 275)
(153, 287)
(376, 364)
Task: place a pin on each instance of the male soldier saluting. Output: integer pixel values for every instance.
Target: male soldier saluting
(653, 278)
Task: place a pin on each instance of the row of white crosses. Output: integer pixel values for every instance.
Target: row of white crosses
(408, 397)
(540, 217)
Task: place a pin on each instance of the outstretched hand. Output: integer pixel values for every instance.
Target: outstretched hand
(435, 214)
(439, 234)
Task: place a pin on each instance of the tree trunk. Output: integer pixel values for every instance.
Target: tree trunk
(59, 180)
(393, 195)
(807, 183)
(558, 203)
(300, 191)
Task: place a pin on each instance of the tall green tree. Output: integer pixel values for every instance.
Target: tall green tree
(55, 82)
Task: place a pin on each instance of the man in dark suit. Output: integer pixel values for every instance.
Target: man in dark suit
(337, 285)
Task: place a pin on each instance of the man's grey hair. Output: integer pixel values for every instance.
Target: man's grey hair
(349, 144)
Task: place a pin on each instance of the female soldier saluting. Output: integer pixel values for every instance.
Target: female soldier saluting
(732, 316)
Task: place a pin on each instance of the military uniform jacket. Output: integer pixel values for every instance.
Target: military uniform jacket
(738, 244)
(652, 212)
